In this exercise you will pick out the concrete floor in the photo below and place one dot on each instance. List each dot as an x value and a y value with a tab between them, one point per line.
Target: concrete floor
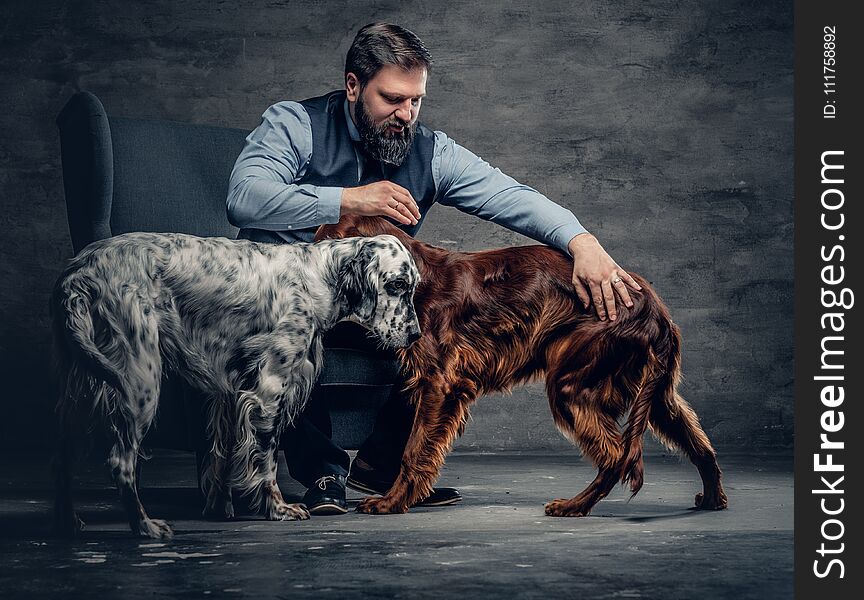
495	544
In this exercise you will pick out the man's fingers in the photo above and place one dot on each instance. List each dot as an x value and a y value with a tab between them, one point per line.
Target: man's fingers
404	197
597	297
403	210
625	276
623	293
619	286
396	215
582	292
609	299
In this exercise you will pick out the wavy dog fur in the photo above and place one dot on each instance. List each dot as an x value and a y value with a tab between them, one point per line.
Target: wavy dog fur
241	322
494	319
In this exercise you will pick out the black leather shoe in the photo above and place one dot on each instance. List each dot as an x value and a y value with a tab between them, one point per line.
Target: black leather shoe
364	479
327	496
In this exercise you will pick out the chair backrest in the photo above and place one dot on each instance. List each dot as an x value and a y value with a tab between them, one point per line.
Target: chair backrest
122	174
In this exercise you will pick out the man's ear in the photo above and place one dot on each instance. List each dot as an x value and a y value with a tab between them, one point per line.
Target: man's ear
352	87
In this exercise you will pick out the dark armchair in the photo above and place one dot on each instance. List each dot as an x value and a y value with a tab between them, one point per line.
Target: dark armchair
125	174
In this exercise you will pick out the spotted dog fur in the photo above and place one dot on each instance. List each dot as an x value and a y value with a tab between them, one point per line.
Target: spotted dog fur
239	321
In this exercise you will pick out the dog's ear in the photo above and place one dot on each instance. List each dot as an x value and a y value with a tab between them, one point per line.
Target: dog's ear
330	231
348	226
359	226
356	283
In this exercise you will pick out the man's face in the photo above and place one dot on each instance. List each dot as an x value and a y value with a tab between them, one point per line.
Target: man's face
385	111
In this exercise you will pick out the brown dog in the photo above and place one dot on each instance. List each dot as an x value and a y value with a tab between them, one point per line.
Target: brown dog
494	319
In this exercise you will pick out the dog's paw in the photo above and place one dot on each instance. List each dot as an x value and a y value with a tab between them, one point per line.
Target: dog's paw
380	506
564	507
288	512
714	501
155	528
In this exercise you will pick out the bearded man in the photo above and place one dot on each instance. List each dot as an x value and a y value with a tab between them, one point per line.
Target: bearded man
362	151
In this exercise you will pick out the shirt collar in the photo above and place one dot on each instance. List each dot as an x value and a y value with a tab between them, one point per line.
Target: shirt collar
352	129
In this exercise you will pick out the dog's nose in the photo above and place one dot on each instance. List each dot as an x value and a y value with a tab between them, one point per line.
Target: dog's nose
413	336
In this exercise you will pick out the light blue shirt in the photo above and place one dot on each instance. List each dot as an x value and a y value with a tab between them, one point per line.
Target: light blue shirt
262	193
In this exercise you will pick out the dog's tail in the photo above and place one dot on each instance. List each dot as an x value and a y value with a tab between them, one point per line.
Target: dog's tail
79	338
651	327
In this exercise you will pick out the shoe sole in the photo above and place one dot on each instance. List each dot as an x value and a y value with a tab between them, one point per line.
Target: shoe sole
359	487
447	502
328	509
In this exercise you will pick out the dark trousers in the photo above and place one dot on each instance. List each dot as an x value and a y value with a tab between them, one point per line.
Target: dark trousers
309	450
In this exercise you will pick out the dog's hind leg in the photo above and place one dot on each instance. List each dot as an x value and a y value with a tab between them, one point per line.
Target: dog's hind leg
585	407
134	412
677	426
581	505
597	434
123	461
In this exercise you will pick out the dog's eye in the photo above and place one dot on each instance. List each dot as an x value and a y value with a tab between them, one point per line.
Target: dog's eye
398	285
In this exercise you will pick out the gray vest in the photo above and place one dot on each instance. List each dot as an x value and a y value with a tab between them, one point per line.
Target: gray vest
334	164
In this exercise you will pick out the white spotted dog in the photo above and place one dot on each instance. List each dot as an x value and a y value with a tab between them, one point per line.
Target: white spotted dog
238	320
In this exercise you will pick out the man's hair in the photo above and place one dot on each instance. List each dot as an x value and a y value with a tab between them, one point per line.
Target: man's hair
379	44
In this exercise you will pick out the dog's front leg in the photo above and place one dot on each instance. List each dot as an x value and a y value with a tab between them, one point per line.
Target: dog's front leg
274	507
283	383
439	420
254	459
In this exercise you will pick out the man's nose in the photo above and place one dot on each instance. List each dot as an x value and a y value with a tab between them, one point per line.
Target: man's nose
403	112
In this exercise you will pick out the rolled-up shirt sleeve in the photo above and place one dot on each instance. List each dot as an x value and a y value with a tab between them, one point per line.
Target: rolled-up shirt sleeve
262	192
467	182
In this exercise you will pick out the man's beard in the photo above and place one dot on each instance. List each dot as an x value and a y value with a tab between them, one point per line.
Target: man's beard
378	142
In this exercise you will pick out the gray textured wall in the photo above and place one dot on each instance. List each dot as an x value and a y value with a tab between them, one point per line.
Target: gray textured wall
665	126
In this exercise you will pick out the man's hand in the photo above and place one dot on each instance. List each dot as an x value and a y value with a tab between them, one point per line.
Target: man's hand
596	275
383	198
